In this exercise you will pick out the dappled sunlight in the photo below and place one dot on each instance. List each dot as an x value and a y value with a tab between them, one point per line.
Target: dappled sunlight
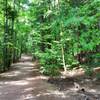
73	73
93	90
73	89
26	83
28	89
27	97
25	57
21	82
25	64
49	49
26	68
34	78
10	74
20	70
54	93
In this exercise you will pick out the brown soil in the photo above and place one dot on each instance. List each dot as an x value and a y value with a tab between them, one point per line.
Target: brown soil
24	82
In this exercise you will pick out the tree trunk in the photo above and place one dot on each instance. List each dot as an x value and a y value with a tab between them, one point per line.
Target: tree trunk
5	51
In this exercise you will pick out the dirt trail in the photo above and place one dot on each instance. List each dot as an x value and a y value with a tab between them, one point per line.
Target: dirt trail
24	82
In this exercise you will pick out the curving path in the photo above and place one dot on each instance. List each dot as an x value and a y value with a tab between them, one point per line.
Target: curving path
24	82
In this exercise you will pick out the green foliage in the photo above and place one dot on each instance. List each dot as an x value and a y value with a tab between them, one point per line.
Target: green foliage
49	63
11	37
59	33
68	26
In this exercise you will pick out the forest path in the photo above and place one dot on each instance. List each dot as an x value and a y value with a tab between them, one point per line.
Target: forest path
24	82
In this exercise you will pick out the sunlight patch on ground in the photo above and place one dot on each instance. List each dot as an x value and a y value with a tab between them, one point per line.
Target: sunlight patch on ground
44	77
25	63
36	78
73	89
33	78
54	93
73	73
92	90
22	83
28	89
26	68
26	57
27	97
10	74
28	64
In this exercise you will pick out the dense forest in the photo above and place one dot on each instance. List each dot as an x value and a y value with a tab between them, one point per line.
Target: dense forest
60	34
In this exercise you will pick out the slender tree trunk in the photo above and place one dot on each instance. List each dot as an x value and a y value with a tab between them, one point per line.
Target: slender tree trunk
13	33
61	34
5	51
63	58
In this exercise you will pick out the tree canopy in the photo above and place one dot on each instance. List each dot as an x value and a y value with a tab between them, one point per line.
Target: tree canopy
61	34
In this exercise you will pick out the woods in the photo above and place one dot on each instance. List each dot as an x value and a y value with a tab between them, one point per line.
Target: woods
60	34
49	49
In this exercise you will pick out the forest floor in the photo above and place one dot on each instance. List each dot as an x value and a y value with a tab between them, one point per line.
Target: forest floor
24	82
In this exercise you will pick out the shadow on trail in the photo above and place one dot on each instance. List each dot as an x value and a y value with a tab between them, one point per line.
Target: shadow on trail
24	82
20	71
